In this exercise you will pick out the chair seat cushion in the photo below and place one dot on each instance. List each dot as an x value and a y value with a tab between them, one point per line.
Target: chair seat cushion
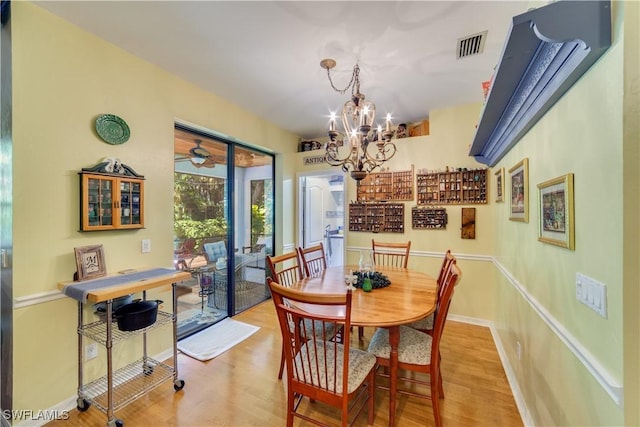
360	364
414	346
425	324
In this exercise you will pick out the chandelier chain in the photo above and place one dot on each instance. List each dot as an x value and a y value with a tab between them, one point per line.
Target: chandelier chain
354	83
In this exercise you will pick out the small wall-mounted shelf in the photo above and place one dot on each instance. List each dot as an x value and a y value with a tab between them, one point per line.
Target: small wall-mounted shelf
428	218
454	187
386	186
547	50
376	217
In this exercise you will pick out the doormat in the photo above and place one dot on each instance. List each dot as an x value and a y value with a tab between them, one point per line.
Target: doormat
216	339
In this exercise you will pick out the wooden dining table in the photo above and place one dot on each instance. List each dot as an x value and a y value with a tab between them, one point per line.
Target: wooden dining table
411	296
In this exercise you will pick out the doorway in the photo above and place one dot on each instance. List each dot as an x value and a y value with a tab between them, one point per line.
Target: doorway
321	213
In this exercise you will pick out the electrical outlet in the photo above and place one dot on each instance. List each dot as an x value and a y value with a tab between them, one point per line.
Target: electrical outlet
91	351
146	246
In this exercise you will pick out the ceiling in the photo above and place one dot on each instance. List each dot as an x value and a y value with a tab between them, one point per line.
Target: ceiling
265	56
244	157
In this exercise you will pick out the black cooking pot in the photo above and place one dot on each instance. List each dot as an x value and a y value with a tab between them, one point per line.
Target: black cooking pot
101	307
137	315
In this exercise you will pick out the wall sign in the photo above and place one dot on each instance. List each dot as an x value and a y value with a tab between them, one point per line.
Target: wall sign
313	160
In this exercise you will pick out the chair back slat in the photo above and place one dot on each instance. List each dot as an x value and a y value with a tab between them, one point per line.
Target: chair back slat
285	269
313	259
391	254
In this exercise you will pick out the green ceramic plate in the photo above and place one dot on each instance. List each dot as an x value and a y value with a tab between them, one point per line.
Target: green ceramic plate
112	129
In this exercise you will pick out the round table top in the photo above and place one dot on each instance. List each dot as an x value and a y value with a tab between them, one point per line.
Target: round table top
411	295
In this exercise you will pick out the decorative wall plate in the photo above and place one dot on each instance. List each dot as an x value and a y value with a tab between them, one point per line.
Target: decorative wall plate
112	129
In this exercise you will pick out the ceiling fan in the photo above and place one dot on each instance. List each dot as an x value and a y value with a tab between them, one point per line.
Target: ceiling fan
198	156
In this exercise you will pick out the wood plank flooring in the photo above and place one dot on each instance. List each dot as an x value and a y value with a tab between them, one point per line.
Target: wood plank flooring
240	388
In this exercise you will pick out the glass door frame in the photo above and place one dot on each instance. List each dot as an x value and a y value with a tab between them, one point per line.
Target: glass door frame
231	208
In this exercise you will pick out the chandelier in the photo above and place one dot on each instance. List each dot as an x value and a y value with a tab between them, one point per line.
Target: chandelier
358	117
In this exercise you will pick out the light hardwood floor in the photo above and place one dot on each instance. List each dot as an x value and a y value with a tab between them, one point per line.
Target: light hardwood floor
240	387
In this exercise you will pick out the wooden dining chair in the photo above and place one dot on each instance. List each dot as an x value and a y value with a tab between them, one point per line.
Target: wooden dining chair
391	254
426	324
319	367
285	269
420	352
313	259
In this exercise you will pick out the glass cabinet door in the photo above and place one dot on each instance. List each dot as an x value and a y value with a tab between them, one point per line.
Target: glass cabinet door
100	202
130	202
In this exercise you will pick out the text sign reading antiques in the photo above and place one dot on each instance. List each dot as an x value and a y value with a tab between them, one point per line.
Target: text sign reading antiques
313	160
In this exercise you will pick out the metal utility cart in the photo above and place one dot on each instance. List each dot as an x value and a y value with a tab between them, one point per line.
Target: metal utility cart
119	388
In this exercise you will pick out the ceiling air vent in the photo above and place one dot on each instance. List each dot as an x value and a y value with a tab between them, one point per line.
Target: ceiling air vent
471	45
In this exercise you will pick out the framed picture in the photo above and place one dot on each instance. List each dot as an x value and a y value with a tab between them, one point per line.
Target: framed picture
556	211
519	197
90	262
499	184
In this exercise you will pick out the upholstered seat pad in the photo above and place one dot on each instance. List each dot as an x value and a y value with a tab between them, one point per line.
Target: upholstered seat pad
360	364
414	346
425	324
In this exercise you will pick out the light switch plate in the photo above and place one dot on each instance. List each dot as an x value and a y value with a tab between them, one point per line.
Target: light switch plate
592	293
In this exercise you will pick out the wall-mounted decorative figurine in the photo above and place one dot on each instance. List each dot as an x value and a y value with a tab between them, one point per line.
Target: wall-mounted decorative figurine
112	129
402	132
519	206
556	212
89	262
468	229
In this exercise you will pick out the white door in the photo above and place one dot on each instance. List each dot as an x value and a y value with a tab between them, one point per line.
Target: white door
322	213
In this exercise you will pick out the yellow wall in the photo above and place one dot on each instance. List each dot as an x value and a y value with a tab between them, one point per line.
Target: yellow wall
581	134
631	177
63	78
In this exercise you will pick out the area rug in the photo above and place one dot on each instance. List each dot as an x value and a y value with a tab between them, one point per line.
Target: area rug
216	339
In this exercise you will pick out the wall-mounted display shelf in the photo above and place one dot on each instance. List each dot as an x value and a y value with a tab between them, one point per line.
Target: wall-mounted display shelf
111	198
453	187
428	218
547	50
376	217
386	186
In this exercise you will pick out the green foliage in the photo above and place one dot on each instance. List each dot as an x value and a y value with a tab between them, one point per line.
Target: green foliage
198	207
200	230
257	222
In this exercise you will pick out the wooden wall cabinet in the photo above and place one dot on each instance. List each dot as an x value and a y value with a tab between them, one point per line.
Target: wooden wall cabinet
454	187
111	201
386	186
376	217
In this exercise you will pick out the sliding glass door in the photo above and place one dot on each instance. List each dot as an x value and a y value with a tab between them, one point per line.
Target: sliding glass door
223	226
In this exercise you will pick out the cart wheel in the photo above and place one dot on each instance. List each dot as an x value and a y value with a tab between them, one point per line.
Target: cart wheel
119	423
83	404
115	423
178	385
147	369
